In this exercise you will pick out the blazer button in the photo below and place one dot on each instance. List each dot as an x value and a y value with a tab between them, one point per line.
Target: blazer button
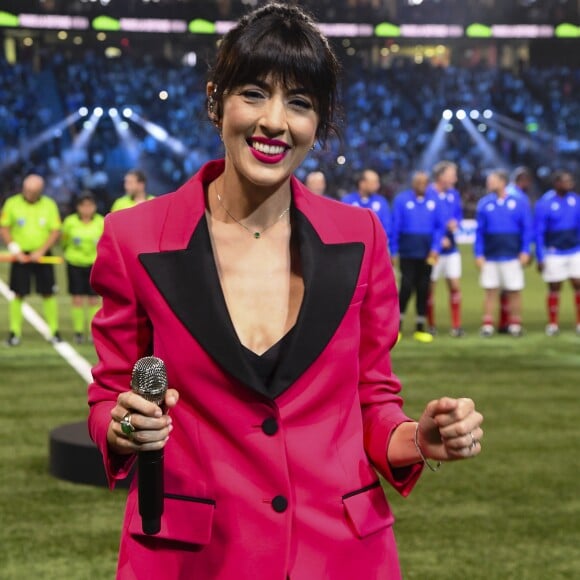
279	504
270	426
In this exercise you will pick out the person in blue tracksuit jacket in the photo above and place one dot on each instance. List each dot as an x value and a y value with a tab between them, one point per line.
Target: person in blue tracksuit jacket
418	228
557	232
368	185
502	248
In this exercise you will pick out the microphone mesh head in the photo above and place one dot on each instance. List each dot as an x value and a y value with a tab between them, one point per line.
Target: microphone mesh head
149	379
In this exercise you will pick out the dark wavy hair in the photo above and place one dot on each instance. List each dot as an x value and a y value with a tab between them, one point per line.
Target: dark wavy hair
284	42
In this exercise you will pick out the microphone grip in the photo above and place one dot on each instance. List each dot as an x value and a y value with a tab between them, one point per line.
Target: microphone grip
151	490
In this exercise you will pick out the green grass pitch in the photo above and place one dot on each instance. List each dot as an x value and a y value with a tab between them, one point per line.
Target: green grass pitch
513	513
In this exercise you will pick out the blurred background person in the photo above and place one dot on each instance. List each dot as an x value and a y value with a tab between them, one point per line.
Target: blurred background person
135	184
449	264
81	232
502	249
416	239
557	229
30	226
520	185
368	185
316	182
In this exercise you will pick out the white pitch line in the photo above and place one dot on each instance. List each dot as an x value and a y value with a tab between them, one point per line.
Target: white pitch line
68	353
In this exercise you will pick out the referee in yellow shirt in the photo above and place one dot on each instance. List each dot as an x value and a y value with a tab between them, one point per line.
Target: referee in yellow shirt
30	226
81	232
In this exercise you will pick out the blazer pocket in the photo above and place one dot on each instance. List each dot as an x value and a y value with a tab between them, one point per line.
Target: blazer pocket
185	519
359	294
367	510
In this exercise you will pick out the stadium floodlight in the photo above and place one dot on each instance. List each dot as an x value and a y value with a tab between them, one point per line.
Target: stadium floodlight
461	114
448	128
161	135
12	156
98	112
341	160
83	111
433	149
487	114
127	139
474	114
489	153
447	114
482	127
113	112
127	112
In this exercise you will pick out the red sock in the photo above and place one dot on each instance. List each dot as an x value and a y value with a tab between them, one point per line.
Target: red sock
554	306
455	307
577	299
515	320
487	320
430	309
504	310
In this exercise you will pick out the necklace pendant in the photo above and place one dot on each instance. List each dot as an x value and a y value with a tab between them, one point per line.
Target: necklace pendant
257	235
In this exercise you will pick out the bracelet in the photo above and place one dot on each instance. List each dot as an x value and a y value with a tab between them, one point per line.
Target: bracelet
423	458
14	248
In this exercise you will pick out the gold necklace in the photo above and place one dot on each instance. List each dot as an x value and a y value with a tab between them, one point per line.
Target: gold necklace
255	233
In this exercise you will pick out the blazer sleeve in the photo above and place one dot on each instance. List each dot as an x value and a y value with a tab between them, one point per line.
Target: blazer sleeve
121	334
378	387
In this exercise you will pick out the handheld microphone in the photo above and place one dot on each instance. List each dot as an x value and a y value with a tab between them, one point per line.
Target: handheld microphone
149	379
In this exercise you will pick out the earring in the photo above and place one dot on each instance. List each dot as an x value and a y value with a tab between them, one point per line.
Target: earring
211	106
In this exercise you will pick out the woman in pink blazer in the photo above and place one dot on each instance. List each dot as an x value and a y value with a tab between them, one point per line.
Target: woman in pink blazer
274	310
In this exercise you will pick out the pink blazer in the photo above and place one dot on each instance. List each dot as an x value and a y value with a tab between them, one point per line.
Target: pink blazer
261	483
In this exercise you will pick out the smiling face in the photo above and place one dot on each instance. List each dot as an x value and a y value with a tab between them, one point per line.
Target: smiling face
267	129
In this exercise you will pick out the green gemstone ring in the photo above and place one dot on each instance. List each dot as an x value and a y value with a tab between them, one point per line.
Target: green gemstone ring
126	425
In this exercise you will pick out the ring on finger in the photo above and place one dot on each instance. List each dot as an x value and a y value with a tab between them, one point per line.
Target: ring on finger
126	425
474	441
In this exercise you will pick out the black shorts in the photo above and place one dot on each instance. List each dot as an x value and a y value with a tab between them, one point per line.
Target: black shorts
21	276
79	280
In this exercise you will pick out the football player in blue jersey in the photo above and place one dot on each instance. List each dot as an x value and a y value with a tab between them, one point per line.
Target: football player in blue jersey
502	249
368	185
557	230
520	185
449	264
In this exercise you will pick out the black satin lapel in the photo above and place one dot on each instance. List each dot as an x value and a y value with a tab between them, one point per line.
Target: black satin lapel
188	281
330	273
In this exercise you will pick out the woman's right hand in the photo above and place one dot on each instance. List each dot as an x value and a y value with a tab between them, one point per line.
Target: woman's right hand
152	426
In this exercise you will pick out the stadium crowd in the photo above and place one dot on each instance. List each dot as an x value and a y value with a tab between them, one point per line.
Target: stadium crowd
390	116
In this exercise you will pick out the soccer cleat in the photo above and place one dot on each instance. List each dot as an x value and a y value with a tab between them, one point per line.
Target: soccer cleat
56	338
515	330
552	330
503	330
12	340
432	330
457	332
486	330
421	336
399	337
79	338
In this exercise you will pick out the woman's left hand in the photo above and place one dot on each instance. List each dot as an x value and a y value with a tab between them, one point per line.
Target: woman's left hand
450	429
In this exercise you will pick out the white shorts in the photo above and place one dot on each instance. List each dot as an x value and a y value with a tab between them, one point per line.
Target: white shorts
507	275
560	268
448	266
